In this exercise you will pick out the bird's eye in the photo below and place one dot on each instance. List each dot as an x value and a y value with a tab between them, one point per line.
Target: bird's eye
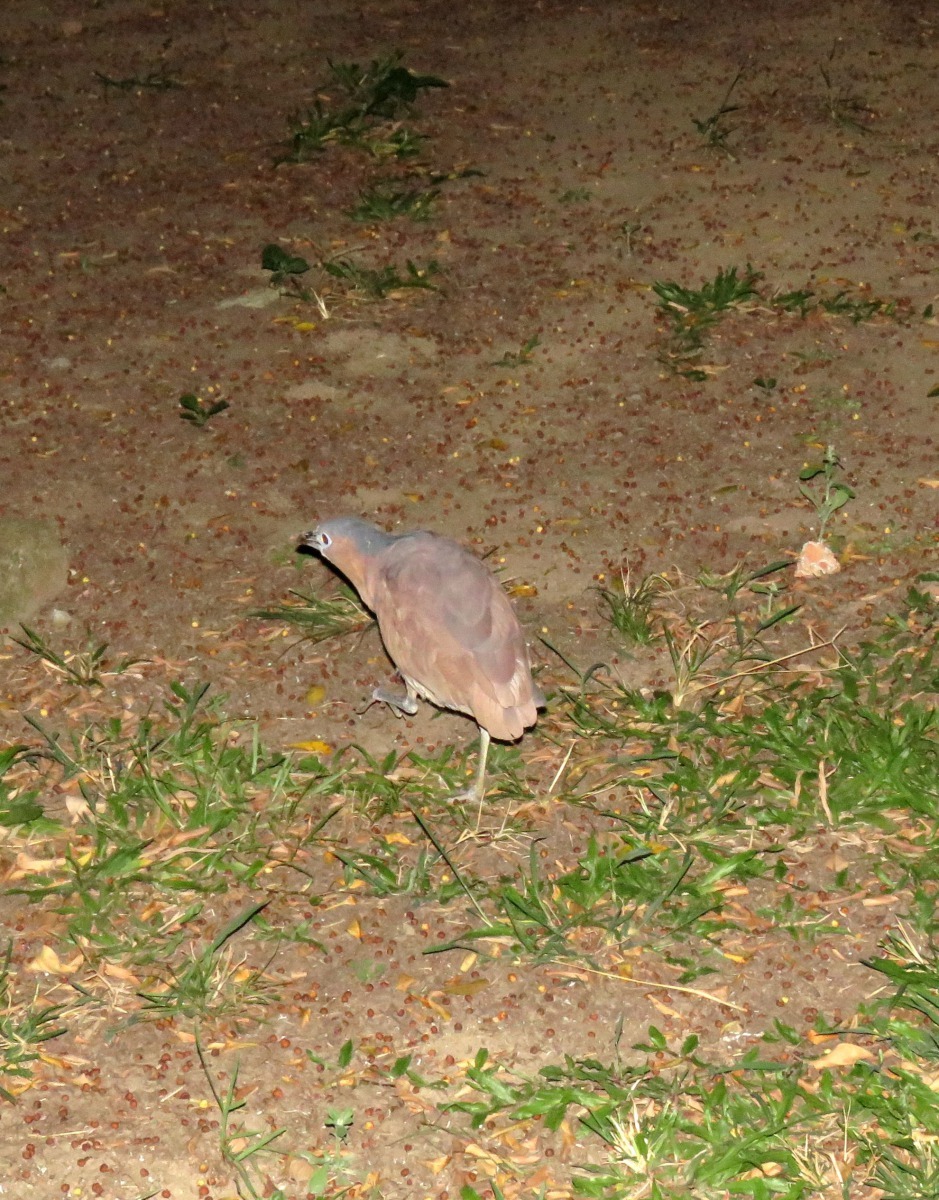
325	541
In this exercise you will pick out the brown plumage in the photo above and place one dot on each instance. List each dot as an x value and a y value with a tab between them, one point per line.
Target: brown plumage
446	623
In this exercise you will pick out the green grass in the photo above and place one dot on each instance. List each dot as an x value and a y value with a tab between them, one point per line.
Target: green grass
369	283
522	356
716	129
841	304
86	668
668	1121
185	836
843	106
693	314
167	813
199	412
378	283
366	116
387	201
319	618
25	1026
630	608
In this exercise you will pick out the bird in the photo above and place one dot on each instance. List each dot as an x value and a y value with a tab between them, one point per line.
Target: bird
446	624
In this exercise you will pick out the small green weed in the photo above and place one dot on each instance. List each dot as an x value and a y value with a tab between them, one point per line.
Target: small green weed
842	304
575	196
85	669
520	357
24	1027
240	1146
312	131
367	117
831	495
286	271
382	88
800	301
715	129
378	283
395	143
210	983
285	268
694	312
387	201
843	107
18	804
630	608
804	301
198	411
625	233
371	283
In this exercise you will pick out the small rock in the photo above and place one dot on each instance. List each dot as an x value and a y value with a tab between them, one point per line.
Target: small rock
33	568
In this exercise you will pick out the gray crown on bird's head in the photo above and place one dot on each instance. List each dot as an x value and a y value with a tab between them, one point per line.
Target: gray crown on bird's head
366	538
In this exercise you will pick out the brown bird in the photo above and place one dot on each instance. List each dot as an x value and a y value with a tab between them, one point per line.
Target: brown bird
446	623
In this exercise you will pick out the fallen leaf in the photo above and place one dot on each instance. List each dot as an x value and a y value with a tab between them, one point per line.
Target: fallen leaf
48	960
397	839
465	987
665	1009
443	1013
845	1054
817	1038
76	806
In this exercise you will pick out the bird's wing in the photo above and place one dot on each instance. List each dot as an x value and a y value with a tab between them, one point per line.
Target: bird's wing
448	625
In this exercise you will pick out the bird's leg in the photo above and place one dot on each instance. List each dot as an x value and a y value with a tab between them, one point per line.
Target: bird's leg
400	705
479	787
478	790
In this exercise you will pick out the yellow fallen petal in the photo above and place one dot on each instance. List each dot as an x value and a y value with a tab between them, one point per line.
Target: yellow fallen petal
312	747
315	695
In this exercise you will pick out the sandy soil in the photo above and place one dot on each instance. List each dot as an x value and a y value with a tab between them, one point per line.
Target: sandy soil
133	223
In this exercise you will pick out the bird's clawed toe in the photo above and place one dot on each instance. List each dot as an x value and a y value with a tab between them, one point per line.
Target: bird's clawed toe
400	703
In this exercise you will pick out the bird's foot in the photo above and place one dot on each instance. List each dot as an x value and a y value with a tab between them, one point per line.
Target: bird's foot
401	704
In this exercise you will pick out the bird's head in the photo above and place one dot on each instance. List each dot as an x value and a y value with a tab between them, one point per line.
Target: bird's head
352	546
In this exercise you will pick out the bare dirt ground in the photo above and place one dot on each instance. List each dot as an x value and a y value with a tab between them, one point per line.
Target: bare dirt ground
133	223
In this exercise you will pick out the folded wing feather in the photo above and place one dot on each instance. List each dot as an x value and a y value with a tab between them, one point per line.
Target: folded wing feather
451	632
